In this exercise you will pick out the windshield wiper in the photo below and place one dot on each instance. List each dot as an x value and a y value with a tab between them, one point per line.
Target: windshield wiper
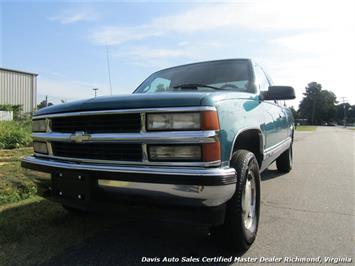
195	85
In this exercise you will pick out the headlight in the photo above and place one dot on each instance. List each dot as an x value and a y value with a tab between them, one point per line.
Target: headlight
39	125
40	147
175	153
205	120
173	121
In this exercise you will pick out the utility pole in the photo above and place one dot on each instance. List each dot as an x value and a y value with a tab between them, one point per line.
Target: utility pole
95	91
344	107
46	100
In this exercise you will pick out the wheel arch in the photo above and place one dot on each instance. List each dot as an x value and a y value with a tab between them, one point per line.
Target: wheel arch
250	139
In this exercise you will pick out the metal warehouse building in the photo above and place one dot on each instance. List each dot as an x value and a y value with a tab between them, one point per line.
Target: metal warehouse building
18	88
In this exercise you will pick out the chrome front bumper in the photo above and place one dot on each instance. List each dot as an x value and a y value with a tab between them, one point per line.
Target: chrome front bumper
189	186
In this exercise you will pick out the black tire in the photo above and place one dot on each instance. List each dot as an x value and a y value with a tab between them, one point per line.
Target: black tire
234	231
285	161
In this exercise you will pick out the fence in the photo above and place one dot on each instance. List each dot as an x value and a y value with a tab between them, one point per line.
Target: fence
6	115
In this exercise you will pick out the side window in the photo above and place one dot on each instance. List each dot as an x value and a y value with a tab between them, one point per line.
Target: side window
158	85
261	79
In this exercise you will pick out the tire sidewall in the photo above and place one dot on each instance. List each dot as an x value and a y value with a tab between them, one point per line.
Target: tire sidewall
242	161
285	161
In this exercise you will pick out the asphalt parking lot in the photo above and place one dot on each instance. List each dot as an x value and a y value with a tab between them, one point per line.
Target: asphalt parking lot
308	212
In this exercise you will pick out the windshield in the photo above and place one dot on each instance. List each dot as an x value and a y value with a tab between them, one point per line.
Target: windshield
231	75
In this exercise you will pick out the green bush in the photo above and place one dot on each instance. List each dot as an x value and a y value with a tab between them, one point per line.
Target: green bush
16	109
15	134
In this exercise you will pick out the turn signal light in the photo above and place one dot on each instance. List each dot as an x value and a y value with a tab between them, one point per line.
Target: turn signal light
209	120
211	151
40	147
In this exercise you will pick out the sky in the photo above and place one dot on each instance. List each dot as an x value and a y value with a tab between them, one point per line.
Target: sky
65	42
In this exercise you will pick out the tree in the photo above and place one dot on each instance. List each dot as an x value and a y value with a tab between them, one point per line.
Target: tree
351	114
317	105
16	109
345	112
327	108
6	107
294	112
43	104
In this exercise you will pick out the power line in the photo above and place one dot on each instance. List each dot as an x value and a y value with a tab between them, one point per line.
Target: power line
343	99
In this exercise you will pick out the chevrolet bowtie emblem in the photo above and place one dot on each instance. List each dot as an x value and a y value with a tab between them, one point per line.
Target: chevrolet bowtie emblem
79	137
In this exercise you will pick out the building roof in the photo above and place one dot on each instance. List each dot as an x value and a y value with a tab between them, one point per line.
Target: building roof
18	71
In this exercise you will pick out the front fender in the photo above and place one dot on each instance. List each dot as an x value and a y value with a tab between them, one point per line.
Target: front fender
236	116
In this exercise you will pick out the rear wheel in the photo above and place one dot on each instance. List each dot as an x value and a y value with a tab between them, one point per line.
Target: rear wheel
242	215
285	161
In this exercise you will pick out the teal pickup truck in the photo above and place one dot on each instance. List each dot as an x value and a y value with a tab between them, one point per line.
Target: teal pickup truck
190	139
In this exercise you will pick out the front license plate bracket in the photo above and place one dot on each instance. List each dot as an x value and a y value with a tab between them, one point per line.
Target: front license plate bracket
72	186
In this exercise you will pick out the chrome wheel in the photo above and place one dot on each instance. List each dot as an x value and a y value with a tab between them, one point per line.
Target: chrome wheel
290	154
249	202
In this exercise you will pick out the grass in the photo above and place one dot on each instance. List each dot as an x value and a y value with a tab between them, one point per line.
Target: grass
33	229
306	128
15	182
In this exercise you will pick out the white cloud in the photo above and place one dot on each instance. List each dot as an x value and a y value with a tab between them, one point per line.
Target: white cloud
73	16
201	18
326	56
139	52
117	35
258	15
183	43
59	89
156	58
305	40
334	73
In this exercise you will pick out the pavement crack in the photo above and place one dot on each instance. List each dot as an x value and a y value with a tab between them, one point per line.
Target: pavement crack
277	206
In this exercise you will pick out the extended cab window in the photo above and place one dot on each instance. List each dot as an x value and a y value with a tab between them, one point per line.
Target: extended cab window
261	79
223	75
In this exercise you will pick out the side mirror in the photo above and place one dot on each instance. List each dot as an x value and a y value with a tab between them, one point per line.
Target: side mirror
279	93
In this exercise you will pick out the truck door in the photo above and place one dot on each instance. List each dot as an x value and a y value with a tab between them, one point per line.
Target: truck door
274	126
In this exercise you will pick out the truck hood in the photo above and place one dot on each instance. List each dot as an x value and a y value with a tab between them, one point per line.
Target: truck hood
134	101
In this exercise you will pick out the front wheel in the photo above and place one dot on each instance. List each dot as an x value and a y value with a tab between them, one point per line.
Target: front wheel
242	215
